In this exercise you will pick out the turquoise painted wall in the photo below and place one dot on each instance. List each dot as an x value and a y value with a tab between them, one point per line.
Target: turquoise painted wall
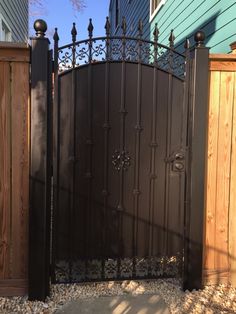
133	10
217	18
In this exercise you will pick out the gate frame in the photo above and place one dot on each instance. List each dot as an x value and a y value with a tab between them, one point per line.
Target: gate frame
41	133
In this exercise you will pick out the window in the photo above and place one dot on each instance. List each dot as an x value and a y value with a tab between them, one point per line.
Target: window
5	33
155	6
117	13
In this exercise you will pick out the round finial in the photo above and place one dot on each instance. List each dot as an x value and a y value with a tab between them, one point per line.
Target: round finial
40	27
199	38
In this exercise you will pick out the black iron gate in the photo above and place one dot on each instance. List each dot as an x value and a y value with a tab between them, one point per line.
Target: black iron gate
129	123
119	168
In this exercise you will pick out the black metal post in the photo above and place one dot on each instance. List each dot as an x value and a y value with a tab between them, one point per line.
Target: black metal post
40	166
197	144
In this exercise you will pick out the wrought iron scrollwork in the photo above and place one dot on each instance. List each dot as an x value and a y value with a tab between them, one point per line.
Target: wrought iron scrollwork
121	48
122	268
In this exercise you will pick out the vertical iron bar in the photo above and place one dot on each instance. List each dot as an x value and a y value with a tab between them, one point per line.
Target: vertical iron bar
73	177
72	153
167	165
90	33
155	37
56	154
138	129
50	147
105	192
184	139
171	54
140	34
123	112
89	144
107	28
74	34
106	128
124	28
153	174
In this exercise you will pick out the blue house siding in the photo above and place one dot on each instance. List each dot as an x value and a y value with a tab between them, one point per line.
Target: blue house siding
15	15
133	10
217	18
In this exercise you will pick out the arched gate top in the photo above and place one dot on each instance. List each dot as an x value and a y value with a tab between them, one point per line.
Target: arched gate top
119	48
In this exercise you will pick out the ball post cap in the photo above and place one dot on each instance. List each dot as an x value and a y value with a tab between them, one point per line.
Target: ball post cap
199	37
40	27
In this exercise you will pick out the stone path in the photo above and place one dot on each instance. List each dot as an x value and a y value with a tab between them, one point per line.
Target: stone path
141	304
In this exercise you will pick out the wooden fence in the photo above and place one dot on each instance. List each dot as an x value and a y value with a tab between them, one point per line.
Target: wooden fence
14	168
220	224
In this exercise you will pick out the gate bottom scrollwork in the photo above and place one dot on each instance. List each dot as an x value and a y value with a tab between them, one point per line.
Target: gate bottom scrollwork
118	269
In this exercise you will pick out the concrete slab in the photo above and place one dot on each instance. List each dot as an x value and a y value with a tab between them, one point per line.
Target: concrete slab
141	304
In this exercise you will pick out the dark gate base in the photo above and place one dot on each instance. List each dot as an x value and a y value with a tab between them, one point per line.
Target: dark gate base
118	269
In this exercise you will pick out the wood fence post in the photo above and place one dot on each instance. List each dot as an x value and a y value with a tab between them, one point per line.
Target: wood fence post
39	228
197	142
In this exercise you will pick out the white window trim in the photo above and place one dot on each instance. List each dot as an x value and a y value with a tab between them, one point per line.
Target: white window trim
10	32
152	15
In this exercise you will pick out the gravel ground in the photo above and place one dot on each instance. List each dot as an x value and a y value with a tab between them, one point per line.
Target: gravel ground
211	300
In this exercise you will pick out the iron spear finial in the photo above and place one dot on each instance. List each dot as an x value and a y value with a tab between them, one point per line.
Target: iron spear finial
172	38
124	25
107	26
55	36
156	33
74	33
90	28
187	43
140	28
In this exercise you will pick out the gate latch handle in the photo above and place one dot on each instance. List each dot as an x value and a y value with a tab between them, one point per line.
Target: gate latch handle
177	160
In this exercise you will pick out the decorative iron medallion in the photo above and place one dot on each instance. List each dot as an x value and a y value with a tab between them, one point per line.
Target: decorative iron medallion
121	160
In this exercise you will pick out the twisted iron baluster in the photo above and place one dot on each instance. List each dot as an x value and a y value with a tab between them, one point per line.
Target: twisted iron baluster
155	37
108	30
90	34
171	45
74	34
124	28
